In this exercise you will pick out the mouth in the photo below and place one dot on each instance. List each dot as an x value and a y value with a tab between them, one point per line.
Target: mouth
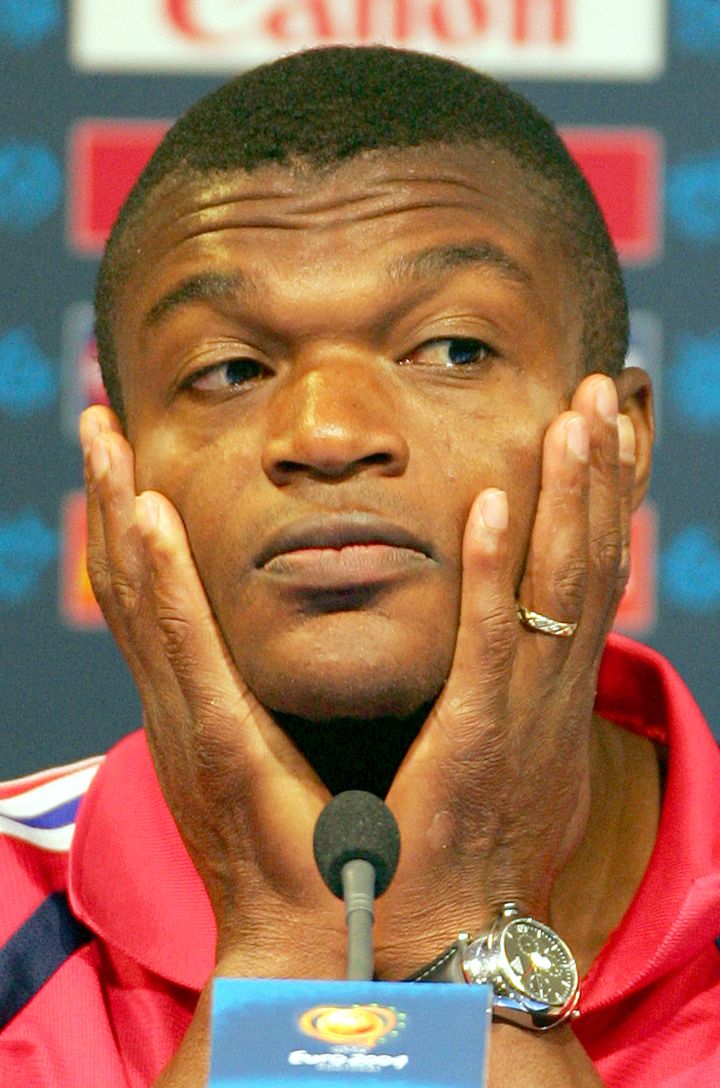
335	552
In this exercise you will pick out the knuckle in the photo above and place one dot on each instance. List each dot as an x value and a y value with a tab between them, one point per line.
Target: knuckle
569	585
499	627
606	551
125	593
98	574
623	571
175	632
498	635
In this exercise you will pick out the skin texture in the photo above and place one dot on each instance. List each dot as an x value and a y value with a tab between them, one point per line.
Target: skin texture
515	476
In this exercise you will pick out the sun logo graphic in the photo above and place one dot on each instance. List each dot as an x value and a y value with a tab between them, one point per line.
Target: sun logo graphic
351	1025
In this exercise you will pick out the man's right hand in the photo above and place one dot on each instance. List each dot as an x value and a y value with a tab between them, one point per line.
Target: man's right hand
243	797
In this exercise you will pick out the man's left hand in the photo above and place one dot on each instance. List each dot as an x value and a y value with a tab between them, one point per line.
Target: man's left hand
493	796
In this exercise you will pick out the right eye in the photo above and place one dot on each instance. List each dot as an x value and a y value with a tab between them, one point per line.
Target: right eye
233	374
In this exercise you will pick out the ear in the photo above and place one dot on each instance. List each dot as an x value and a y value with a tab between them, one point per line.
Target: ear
635	397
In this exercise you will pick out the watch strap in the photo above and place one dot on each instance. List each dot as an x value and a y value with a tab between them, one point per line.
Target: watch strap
447	967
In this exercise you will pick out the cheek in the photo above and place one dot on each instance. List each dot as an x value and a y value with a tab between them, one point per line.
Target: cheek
207	483
190	468
161	461
500	457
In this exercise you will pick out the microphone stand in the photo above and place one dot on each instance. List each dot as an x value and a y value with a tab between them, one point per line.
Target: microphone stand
358	884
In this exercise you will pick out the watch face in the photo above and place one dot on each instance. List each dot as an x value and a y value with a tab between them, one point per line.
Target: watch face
539	964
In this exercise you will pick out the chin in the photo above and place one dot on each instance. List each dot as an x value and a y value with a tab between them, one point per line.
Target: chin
362	664
343	690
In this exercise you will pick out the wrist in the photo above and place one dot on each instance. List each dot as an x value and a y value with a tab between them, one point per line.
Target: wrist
285	947
406	939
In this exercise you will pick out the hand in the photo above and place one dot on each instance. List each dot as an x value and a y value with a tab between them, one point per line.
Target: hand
244	799
493	796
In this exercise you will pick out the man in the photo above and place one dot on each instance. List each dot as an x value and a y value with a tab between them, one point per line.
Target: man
360	518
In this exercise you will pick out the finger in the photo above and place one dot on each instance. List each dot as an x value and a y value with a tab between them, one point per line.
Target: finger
96	421
596	399
555	577
120	568
233	730
93	422
626	456
90	426
478	684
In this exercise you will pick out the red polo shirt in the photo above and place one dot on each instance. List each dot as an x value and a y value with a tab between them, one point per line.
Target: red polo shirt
108	935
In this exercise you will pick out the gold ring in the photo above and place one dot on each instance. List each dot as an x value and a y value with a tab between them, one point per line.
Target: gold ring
535	621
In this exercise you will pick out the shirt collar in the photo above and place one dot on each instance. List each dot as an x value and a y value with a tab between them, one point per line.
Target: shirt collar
130	878
132	882
676	909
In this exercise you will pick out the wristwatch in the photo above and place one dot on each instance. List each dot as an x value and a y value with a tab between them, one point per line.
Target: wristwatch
531	970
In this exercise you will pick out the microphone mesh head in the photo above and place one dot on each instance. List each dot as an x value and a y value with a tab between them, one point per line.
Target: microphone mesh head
356	824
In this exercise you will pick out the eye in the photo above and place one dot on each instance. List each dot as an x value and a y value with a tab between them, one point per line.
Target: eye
450	351
231	374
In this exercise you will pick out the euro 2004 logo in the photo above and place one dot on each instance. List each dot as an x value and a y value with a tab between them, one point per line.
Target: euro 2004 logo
351	1025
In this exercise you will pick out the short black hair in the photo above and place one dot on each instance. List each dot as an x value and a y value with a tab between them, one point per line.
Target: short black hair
324	106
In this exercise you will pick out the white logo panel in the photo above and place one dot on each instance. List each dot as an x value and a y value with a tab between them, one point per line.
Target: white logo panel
578	39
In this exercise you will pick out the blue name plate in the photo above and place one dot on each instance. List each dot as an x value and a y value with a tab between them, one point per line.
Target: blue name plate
277	1032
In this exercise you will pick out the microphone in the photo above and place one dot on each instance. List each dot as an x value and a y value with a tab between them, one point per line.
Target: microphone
359	1026
357	845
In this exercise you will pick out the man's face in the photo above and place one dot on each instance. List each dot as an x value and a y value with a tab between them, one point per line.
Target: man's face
321	373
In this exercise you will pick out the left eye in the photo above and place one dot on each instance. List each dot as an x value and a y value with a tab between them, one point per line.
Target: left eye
449	351
236	372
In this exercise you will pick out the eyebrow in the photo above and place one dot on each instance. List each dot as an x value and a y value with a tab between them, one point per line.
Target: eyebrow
205	287
432	261
447	258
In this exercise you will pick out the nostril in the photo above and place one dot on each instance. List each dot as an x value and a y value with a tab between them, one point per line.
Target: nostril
289	467
333	466
333	451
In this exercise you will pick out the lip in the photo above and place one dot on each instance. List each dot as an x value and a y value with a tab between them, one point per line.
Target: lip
337	551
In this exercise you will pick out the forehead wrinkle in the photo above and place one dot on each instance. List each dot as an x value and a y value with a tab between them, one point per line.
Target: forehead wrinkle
314	189
295	209
300	199
354	210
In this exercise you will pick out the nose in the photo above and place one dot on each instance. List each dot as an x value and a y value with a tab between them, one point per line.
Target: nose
333	420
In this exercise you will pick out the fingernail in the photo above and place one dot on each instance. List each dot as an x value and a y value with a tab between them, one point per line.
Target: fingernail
626	440
606	402
577	438
147	514
494	509
99	459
